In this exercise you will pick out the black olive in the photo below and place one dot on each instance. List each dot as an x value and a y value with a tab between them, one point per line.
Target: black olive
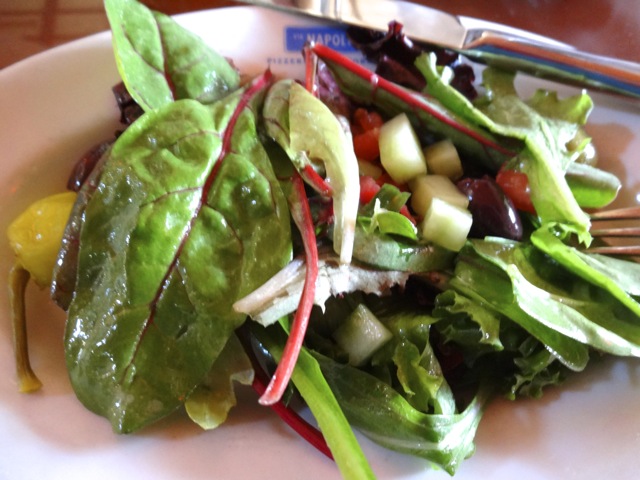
492	211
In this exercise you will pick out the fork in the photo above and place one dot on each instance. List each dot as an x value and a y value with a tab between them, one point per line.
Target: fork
616	232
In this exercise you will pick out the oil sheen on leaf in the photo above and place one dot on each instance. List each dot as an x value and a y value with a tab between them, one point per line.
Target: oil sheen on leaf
186	204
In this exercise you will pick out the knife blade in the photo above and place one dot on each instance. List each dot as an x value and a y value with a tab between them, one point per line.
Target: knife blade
478	40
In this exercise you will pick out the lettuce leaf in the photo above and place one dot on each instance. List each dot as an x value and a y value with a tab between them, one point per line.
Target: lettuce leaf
381	413
621	278
311	134
564	311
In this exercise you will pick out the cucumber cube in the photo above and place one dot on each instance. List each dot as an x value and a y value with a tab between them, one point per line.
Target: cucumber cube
442	159
425	188
446	225
361	334
400	150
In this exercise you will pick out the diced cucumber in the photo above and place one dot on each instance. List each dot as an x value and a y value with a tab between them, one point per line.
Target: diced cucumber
446	225
400	150
425	188
361	334
442	159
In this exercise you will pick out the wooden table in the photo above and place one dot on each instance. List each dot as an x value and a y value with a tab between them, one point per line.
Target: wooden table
600	26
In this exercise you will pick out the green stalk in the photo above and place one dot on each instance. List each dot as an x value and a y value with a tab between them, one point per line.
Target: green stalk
18	280
308	379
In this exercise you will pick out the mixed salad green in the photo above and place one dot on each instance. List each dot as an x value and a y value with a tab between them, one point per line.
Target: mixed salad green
256	230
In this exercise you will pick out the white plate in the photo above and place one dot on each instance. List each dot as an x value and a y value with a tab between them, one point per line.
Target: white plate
57	104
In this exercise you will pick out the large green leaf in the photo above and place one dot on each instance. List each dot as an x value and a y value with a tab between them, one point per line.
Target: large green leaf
620	278
187	218
160	61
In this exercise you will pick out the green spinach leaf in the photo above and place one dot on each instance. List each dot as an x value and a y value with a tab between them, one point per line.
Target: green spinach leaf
185	205
159	61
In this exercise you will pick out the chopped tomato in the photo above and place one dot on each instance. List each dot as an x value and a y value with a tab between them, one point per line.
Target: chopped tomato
366	146
365	127
368	189
367	119
515	185
386	178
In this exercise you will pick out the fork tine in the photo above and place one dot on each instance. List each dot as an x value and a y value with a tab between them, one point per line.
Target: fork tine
616	232
625	213
630	250
623	232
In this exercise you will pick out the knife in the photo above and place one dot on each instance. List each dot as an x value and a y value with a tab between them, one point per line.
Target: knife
478	40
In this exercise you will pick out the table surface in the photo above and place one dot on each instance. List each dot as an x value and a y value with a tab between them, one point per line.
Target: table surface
607	27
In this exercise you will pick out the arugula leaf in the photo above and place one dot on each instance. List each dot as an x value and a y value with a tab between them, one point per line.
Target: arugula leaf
186	203
160	61
621	278
488	272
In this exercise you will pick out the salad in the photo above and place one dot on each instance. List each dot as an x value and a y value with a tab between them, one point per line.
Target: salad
441	356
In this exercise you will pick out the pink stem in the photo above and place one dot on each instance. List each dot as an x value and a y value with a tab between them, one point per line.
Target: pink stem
294	420
311	64
301	214
316	181
407	96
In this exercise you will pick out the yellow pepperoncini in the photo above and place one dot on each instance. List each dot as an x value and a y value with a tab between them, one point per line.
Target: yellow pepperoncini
35	238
